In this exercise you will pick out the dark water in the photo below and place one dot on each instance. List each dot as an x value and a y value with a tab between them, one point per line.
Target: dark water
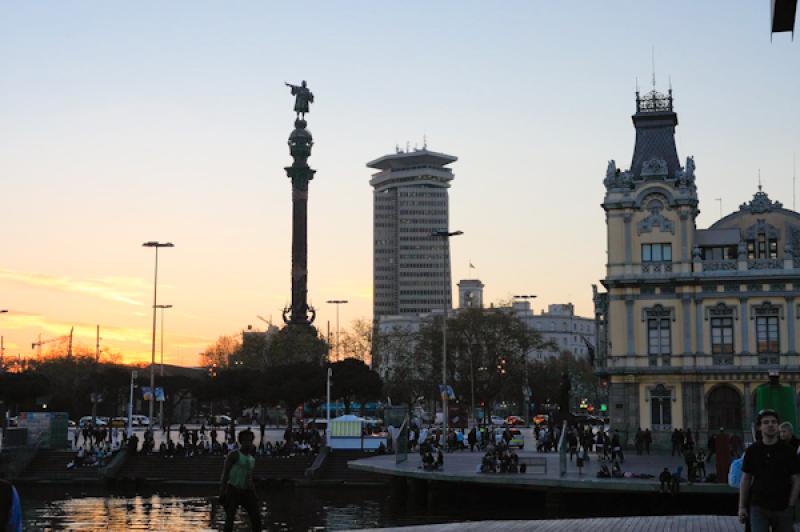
289	509
330	509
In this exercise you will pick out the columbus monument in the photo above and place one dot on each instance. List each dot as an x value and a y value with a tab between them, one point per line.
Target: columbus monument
300	143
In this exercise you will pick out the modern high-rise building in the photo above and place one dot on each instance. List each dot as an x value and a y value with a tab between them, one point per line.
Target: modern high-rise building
411	268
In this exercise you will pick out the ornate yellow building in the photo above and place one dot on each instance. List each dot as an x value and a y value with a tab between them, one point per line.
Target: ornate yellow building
692	319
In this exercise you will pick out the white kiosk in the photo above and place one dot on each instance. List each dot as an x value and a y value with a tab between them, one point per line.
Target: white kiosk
347	432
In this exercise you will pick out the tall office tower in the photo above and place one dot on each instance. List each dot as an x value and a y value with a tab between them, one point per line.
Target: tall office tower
411	268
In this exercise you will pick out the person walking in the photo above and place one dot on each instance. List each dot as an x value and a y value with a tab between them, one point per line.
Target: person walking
648	440
770	480
638	441
787	437
237	487
677	442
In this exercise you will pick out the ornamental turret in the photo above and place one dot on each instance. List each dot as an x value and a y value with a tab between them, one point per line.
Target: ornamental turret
652	205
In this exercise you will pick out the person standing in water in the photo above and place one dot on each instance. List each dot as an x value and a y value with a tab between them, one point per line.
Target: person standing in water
237	487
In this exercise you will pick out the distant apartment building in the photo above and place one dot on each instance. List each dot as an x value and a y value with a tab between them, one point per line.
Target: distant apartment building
560	326
411	268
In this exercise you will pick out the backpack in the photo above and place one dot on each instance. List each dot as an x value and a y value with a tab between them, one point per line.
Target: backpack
735	473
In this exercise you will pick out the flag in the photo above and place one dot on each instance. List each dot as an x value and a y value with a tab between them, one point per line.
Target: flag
471	266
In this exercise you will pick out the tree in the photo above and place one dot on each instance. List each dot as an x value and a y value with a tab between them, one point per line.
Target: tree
351	379
291	385
405	368
20	390
293	344
545	379
357	342
220	352
487	351
177	388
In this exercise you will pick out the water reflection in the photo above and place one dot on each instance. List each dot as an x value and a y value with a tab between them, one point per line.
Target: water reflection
334	508
286	510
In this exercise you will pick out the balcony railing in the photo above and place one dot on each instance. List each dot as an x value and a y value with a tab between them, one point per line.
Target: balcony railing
722	360
657	267
769	360
719	265
764	264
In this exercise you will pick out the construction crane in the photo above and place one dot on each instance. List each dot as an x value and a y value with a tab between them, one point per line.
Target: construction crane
265	320
38	345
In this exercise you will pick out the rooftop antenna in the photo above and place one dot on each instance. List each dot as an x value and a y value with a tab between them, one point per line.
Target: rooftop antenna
396	148
424	141
408	146
759	179
794	181
653	63
720	207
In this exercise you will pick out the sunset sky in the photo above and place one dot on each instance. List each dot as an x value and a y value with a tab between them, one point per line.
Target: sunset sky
123	122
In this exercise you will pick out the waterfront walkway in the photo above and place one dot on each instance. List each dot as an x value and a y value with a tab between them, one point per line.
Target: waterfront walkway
461	466
679	523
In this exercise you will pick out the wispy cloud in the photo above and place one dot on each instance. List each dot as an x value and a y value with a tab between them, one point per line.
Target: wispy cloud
125	290
132	343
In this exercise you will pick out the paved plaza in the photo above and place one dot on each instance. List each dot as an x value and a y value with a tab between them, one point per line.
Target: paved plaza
680	523
462	466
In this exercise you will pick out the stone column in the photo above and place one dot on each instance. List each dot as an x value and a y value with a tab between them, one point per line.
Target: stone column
747	422
686	309
791	345
698	309
745	321
630	324
626	218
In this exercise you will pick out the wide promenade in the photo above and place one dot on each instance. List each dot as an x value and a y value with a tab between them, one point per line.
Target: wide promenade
461	466
679	523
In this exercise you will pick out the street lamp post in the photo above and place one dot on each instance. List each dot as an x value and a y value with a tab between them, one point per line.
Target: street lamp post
2	347
526	390
338	303
445	236
156	245
134	374
161	403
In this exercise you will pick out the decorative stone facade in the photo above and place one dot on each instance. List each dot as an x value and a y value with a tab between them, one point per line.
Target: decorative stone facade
692	319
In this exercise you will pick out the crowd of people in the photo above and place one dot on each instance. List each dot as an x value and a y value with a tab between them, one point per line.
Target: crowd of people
94	446
500	458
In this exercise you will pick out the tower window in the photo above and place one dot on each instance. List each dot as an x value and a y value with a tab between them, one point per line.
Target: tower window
656	252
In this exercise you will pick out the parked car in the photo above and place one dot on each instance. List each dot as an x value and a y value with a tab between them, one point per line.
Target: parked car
140	420
540	418
219	420
87	420
517	439
119	422
497	421
514	420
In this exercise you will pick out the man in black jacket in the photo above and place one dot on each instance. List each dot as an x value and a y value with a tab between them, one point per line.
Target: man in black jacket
770	480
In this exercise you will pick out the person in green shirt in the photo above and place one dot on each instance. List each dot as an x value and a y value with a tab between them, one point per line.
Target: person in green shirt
237	487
